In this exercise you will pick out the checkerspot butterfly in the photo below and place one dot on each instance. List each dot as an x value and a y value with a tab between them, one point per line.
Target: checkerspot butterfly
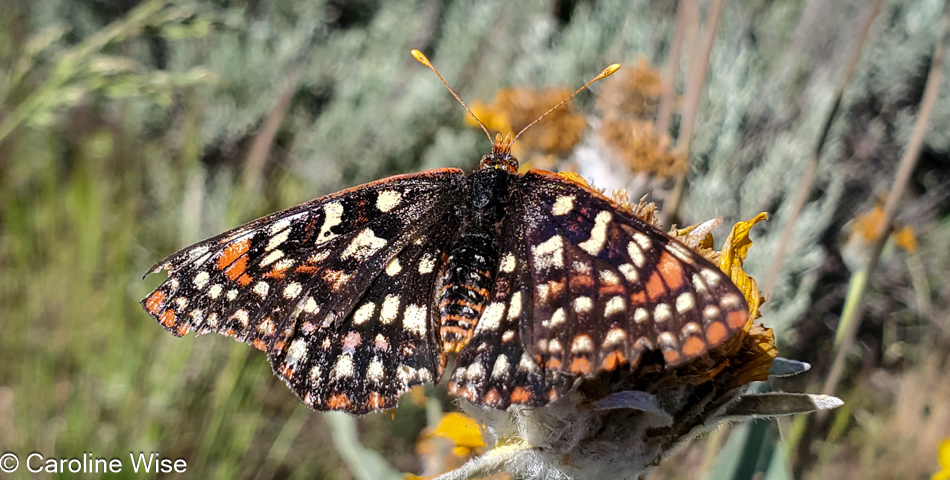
533	280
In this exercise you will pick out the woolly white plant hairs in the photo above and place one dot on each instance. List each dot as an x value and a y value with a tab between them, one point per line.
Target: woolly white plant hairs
622	435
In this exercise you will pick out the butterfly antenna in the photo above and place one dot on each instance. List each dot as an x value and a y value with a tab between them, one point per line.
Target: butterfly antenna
604	74
425	61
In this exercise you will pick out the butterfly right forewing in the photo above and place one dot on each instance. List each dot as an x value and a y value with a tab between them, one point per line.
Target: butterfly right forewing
611	288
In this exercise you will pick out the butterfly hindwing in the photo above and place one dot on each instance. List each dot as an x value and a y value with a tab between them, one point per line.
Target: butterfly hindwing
365	360
320	257
495	369
609	287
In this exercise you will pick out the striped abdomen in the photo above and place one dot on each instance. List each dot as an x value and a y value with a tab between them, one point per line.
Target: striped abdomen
466	283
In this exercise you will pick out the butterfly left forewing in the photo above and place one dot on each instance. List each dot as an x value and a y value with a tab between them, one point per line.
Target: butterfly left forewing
248	282
618	288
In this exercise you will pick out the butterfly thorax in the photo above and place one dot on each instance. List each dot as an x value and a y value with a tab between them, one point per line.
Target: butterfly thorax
466	278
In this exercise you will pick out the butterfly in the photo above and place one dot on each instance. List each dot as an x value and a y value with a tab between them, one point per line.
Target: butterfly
533	280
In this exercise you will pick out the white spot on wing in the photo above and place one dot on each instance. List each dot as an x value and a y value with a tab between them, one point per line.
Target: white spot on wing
582	344
643	241
710	276
277	239
730	301
549	253
426	264
261	288
667	340
311	306
271	257
388	200
344	367
598	235
641	315
201	280
393	268
514	310
364	245
334	217
636	255
614	305
527	364
500	369
475	371
292	290
375	372
563	205
615	336
691	328
508	263
608	277
583	304
215	291
296	351
281	224
491	317
662	313
629	272
241	317
685	302
364	313
390	309
414	320
558	317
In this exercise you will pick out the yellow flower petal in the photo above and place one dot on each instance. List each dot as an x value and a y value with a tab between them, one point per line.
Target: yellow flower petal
734	252
943	453
905	239
462	430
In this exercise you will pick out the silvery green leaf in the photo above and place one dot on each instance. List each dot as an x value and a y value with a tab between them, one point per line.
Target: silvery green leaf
779	404
784	367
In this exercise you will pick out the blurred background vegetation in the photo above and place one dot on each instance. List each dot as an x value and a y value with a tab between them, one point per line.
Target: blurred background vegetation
131	129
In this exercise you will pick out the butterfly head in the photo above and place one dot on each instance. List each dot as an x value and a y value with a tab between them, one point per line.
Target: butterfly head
500	156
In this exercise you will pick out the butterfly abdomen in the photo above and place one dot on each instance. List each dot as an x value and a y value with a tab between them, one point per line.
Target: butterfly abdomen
466	285
469	273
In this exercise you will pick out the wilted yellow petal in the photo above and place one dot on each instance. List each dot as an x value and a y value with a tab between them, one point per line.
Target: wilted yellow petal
734	252
460	429
574	178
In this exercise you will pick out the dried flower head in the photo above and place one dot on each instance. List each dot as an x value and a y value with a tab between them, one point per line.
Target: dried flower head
642	148
514	108
635	94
